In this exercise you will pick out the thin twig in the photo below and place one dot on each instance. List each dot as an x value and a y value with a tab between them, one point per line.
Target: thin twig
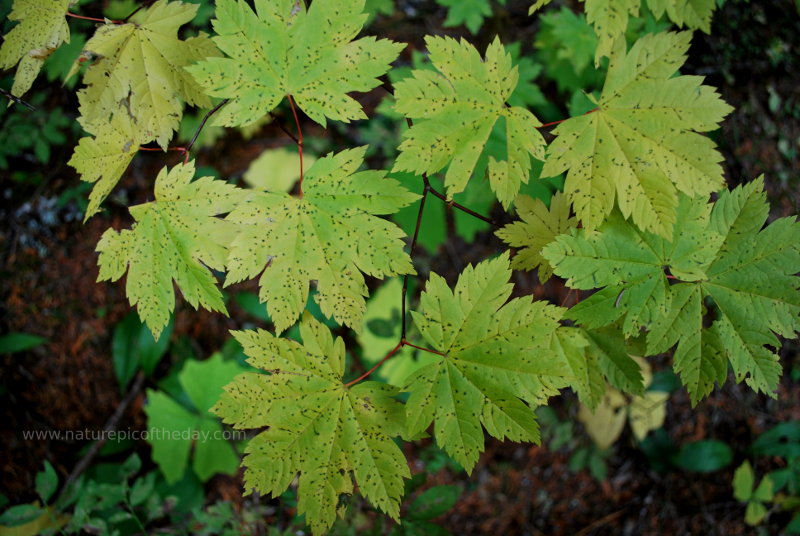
185	150
299	144
16	99
600	522
211	112
283	128
464	209
425	192
110	426
146	3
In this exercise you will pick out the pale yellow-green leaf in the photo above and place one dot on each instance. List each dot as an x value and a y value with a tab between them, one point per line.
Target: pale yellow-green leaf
42	28
103	159
690	13
179	237
609	19
537	5
538	227
331	235
647	413
605	424
276	170
495	361
454	110
316	426
743	482
643	144
139	68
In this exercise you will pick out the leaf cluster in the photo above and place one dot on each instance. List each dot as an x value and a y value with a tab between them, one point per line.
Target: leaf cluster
667	269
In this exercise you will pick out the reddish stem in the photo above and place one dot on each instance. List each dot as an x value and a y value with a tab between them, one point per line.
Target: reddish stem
567	119
392	352
378	364
75	16
406	343
299	142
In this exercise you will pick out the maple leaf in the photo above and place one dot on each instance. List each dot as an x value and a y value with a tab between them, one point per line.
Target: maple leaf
642	145
537	5
539	227
104	158
202	383
579	351
470	13
494	365
42	28
175	237
630	263
610	20
454	111
318	427
690	13
717	252
285	50
331	234
139	67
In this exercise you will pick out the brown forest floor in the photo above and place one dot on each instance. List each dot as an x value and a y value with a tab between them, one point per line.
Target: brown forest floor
48	288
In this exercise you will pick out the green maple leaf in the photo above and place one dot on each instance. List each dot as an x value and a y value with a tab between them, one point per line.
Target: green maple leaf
628	264
285	50
176	428
454	111
717	252
495	361
103	159
539	226
642	146
329	433
470	13
690	13
41	30
139	68
177	236
331	234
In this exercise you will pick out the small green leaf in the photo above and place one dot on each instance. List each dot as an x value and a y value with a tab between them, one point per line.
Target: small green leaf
755	513
142	489
704	456
19	342
434	502
133	347
782	440
743	480
765	490
46	482
171	427
203	380
130	467
20	514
